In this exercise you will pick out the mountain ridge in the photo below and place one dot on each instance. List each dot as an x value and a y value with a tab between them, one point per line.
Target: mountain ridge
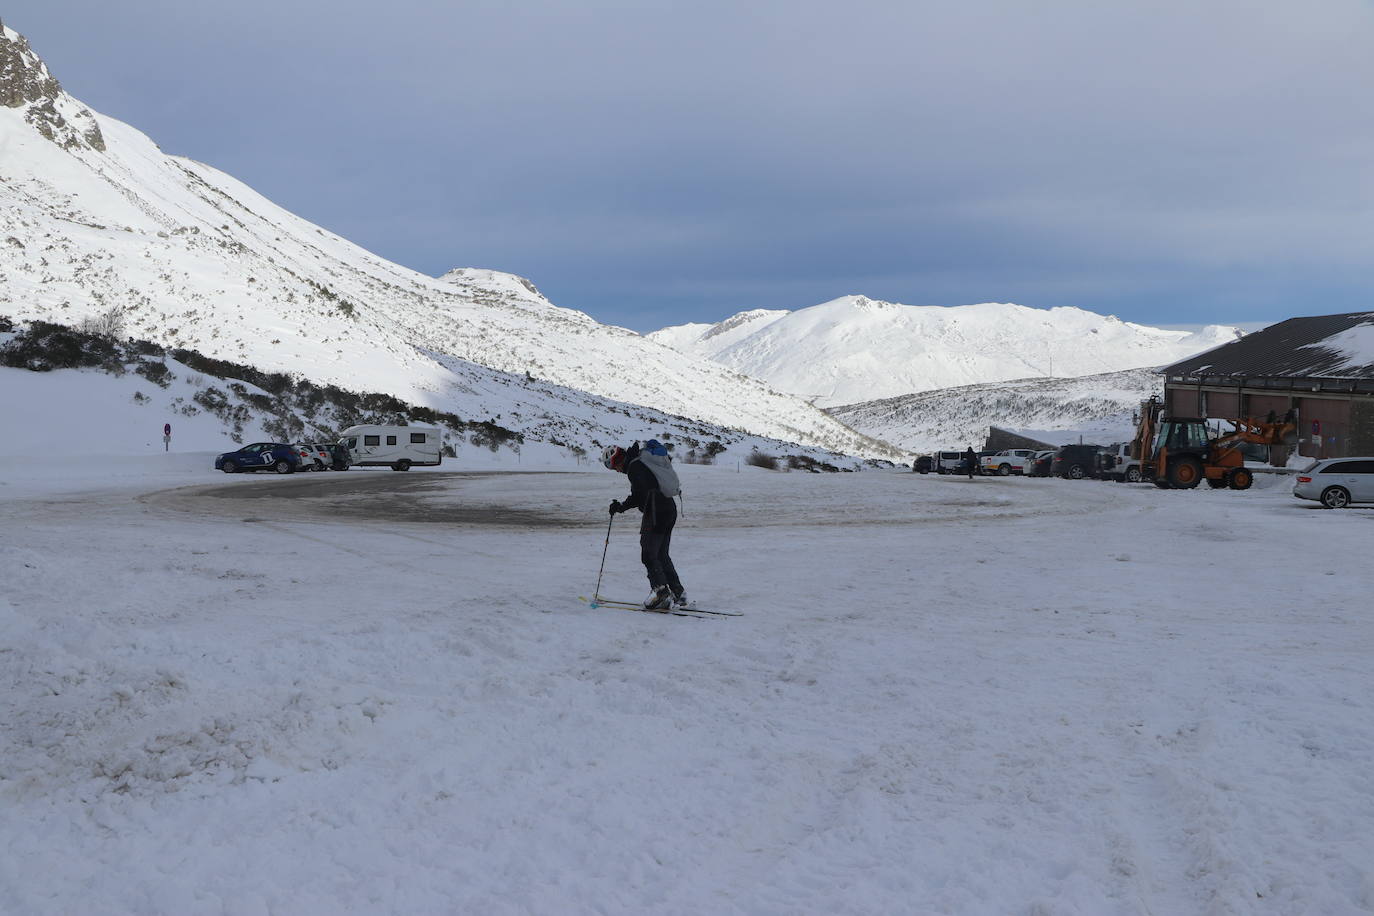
188	256
1056	410
855	349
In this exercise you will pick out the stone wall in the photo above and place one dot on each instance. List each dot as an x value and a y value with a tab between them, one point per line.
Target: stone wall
999	439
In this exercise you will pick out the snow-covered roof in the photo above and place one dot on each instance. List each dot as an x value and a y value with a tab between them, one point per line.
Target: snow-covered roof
1317	346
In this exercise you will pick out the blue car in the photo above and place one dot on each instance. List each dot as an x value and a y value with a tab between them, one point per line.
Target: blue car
260	456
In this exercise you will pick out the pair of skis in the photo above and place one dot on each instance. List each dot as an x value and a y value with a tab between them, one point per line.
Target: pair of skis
699	613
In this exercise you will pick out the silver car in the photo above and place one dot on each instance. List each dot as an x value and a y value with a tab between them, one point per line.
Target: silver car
1337	482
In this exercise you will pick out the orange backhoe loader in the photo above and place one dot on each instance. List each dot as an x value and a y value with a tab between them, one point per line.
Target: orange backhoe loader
1180	453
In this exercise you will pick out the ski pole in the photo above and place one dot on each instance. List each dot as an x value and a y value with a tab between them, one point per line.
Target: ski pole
596	594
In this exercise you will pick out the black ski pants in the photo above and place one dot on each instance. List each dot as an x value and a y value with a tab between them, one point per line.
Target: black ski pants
653	552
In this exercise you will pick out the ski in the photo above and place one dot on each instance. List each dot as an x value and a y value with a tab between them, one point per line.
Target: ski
636	605
626	606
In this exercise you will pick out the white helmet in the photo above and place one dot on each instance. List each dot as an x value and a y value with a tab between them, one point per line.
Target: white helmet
613	457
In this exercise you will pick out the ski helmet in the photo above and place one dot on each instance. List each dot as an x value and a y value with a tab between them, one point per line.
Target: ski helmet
613	457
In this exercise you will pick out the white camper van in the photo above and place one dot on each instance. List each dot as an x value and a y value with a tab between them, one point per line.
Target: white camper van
397	447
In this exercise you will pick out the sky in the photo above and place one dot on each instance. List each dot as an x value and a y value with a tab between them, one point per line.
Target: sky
655	162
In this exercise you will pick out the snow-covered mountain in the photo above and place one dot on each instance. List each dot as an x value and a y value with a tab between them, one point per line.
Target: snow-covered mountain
96	220
709	340
120	393
1054	410
856	349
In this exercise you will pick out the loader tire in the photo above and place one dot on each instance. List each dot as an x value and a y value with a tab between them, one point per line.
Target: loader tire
1185	474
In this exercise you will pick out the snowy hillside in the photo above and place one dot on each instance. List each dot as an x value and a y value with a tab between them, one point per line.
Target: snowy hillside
709	340
95	220
856	349
119	395
1053	410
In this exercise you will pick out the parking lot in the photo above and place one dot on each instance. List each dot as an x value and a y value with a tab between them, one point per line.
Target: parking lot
305	688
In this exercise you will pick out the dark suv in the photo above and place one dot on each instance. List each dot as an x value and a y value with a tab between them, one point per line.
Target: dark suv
342	458
1076	461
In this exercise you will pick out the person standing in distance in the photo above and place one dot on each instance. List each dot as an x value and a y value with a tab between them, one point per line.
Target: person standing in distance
971	459
653	484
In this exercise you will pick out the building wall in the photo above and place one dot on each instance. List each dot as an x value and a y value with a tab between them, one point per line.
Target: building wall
1181	401
1221	404
1361	440
1258	405
1330	426
1324	427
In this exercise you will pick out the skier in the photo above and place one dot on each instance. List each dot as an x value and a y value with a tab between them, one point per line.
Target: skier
653	484
971	460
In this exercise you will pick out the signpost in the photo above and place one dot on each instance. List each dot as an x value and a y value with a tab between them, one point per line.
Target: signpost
166	437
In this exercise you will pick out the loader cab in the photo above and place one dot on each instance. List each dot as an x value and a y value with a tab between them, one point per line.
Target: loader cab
1182	435
1180	452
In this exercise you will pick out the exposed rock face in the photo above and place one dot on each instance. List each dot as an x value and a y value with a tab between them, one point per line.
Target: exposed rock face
26	83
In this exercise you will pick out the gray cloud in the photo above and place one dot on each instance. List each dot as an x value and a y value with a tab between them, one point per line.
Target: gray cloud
656	162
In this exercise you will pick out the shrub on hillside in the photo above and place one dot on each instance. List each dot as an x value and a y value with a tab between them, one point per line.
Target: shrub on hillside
44	346
491	435
807	463
155	372
109	323
761	460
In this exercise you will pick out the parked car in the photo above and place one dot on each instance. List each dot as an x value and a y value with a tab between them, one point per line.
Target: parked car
325	452
1040	466
922	464
1075	462
310	456
1008	461
260	456
1117	464
1337	482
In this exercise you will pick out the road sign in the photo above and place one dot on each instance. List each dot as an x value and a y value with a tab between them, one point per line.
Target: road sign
166	429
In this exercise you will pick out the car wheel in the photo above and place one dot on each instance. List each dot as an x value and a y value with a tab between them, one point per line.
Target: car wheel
1076	472
1335	497
402	465
282	466
1241	478
1003	470
229	467
1133	475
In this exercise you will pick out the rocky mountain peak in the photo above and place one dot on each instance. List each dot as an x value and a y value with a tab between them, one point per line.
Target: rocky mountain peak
25	83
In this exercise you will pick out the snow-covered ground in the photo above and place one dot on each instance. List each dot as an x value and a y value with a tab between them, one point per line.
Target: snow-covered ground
997	696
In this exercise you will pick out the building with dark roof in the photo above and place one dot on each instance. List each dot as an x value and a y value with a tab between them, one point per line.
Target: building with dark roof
1321	367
